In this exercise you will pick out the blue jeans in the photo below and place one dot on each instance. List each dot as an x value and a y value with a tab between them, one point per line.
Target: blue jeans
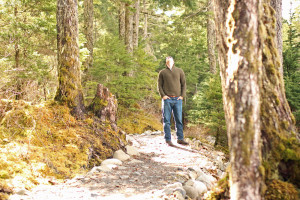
168	106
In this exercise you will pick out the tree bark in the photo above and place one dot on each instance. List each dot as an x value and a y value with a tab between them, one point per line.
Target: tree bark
89	32
128	28
69	90
122	21
145	20
211	38
136	20
277	6
256	109
237	27
279	134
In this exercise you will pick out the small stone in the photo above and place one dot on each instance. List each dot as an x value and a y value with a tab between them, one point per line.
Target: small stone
130	139
181	190
22	192
135	161
190	191
132	151
193	175
175	185
137	173
178	195
122	167
168	191
111	161
124	177
121	155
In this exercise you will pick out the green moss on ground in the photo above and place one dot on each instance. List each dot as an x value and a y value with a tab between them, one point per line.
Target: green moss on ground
281	190
137	120
45	140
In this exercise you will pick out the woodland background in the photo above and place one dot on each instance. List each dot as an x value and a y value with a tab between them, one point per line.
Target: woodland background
123	45
29	66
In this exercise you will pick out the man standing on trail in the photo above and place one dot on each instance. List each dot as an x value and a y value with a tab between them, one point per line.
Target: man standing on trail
172	88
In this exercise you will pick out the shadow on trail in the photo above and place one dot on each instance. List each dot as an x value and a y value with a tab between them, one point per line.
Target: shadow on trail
185	149
138	178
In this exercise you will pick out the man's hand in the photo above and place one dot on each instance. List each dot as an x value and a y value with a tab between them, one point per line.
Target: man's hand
180	98
165	97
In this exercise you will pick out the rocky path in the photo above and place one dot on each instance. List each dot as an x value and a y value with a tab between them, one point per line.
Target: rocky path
152	171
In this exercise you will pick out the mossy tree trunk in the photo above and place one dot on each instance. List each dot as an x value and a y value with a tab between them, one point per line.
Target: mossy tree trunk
277	6
69	90
256	109
239	59
211	35
281	149
89	32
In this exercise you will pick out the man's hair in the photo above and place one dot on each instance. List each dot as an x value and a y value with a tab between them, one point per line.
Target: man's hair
168	59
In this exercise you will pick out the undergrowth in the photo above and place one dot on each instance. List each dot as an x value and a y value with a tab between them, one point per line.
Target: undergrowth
45	141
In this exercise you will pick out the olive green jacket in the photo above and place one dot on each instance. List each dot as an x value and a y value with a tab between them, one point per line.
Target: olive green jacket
171	82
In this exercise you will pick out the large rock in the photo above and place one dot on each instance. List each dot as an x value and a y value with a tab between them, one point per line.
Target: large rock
200	187
132	151
191	192
121	155
207	179
111	161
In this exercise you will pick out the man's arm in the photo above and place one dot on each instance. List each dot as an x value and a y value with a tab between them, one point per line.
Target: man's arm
182	84
160	84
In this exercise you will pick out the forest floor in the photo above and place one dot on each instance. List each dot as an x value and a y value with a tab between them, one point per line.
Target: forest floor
144	176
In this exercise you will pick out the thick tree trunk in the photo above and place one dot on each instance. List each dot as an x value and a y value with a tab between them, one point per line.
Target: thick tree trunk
279	134
136	20
69	89
254	102
237	26
122	21
128	28
277	6
211	38
89	32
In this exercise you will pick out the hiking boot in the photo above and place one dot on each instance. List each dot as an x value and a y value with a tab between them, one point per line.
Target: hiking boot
170	143
182	142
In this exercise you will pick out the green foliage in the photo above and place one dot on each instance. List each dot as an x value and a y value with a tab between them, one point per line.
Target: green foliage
129	77
27	43
208	108
291	67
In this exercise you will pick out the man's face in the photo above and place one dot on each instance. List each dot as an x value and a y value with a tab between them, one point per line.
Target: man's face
170	62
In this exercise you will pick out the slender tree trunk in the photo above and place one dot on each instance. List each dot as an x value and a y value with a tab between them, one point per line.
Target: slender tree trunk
69	89
256	109
136	20
89	31
240	71
122	21
211	38
145	20
277	6
128	28
17	61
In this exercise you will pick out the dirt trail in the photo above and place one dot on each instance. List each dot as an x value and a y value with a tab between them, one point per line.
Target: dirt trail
146	176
